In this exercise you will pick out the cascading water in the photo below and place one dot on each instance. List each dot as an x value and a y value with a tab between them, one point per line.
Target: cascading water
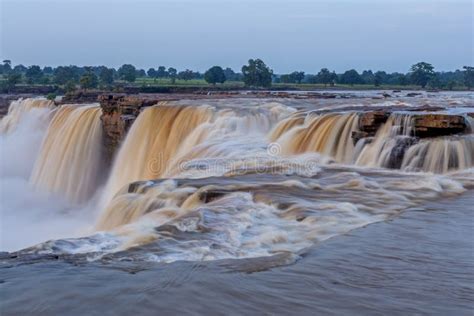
165	136
394	146
329	134
244	181
19	109
28	215
380	151
151	141
70	157
440	155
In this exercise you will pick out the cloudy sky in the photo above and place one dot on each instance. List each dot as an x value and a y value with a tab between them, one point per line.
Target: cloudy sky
287	35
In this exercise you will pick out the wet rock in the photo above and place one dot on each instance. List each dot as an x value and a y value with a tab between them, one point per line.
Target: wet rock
434	125
119	111
398	151
358	135
369	122
81	96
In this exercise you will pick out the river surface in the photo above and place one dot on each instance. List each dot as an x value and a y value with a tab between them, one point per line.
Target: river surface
238	207
421	262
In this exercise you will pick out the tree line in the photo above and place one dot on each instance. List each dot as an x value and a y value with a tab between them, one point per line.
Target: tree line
254	74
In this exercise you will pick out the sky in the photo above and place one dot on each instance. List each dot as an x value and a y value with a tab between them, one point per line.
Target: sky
288	35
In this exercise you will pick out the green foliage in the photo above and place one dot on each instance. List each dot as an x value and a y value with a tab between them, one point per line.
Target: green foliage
351	77
33	74
47	70
434	82
468	76
451	84
70	86
141	73
379	78
161	72
127	72
20	69
421	73
326	77
13	78
368	77
215	75
257	74
6	67
186	75
172	73
230	75
51	96
89	80
294	77
106	76
152	73
64	74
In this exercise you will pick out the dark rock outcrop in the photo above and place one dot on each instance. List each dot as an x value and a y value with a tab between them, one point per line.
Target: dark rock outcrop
80	96
369	122
434	125
118	114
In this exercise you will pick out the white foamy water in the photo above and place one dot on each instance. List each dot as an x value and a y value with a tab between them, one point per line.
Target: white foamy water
242	182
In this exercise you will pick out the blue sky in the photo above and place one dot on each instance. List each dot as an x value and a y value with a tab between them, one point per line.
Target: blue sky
287	35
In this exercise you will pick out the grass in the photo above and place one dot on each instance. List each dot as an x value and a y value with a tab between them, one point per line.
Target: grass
232	85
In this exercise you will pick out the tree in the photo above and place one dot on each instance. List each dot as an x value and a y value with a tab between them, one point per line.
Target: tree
230	74
13	78
215	75
127	72
402	80
141	73
284	79
33	74
297	76
257	74
421	73
20	69
152	73
48	70
88	80
351	77
161	72
435	82
368	77
468	76
106	76
70	86
324	76
64	74
451	84
379	78
186	75
6	67
172	73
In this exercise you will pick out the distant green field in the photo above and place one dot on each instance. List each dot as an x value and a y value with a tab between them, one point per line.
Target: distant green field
201	83
166	82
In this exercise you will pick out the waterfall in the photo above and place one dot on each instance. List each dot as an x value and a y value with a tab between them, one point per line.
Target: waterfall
18	109
153	138
329	134
440	155
395	147
165	136
388	144
70	156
